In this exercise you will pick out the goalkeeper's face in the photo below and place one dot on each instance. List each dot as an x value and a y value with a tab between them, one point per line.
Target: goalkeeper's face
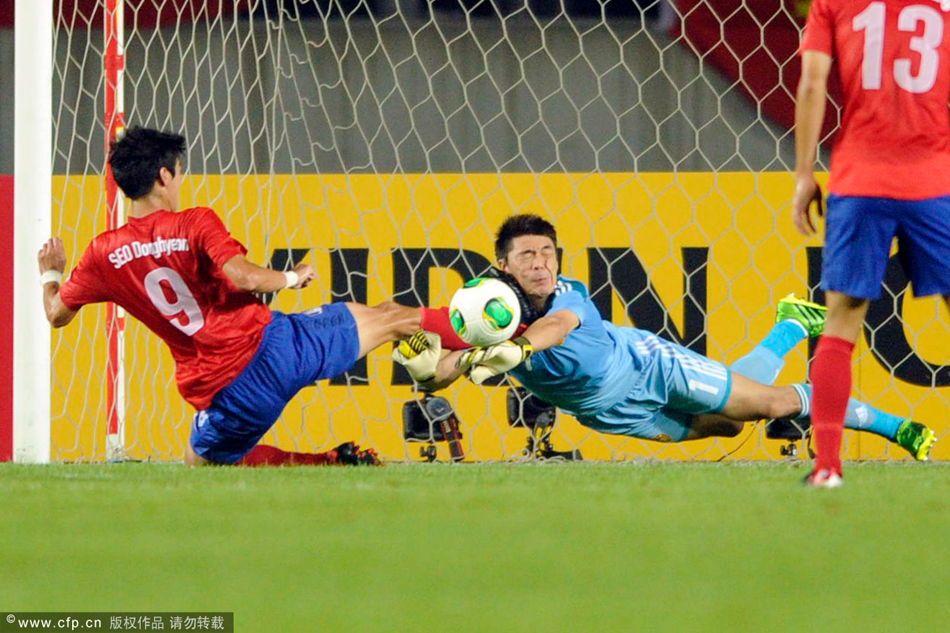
532	261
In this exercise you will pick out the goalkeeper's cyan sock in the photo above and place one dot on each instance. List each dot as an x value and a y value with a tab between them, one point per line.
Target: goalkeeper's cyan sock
765	361
831	385
858	415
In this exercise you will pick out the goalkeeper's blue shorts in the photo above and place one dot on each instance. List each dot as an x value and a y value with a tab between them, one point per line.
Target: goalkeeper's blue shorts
297	350
859	233
675	386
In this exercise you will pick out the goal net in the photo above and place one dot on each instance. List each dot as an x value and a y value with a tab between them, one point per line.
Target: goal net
383	141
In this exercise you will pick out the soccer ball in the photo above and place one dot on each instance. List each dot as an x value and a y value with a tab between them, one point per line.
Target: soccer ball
484	312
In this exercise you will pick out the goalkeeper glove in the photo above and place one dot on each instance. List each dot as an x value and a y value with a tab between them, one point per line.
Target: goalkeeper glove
420	355
494	360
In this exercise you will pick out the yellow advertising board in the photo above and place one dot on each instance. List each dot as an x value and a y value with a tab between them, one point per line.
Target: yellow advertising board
700	257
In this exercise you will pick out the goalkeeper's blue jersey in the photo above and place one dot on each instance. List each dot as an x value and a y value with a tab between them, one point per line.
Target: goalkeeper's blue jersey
616	378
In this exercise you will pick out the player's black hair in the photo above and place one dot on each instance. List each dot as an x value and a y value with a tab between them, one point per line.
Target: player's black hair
518	225
138	157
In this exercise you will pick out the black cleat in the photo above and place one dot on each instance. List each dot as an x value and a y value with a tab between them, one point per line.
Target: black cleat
350	454
787	429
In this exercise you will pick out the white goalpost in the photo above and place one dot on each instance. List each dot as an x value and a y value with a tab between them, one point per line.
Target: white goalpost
383	141
32	213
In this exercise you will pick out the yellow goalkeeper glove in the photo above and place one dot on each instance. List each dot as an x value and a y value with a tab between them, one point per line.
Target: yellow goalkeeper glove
420	355
494	360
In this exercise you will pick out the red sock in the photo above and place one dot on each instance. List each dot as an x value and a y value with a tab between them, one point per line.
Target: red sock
437	320
262	455
831	389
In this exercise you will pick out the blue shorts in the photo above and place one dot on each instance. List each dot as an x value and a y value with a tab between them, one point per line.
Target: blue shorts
297	350
859	232
675	386
636	420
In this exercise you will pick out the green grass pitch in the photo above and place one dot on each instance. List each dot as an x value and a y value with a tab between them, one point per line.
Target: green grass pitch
498	547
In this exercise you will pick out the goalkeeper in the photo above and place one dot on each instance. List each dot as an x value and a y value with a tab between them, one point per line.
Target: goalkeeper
184	277
623	380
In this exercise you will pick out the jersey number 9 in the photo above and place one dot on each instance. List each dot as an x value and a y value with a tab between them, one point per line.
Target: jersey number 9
183	312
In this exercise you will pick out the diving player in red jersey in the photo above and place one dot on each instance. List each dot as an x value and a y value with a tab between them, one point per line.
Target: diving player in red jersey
890	177
184	277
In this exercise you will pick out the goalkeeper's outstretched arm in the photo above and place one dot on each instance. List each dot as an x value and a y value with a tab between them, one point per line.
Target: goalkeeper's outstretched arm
495	360
548	331
551	329
451	367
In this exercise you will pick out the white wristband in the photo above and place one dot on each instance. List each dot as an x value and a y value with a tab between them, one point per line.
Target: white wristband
51	275
292	279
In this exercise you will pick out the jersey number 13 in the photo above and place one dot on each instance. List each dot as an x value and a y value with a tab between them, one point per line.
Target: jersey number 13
871	21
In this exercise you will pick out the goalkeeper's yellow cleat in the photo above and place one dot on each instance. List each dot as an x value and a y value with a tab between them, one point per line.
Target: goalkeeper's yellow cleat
916	438
810	316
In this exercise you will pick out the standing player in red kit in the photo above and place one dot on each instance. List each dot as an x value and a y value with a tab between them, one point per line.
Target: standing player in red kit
890	177
184	276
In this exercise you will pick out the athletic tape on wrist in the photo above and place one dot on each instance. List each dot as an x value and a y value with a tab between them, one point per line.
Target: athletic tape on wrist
51	275
292	279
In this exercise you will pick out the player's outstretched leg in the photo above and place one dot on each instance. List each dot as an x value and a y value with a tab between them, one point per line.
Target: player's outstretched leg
795	320
383	323
916	438
346	454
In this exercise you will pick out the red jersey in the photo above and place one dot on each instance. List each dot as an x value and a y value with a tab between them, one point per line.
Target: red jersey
893	58
165	270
